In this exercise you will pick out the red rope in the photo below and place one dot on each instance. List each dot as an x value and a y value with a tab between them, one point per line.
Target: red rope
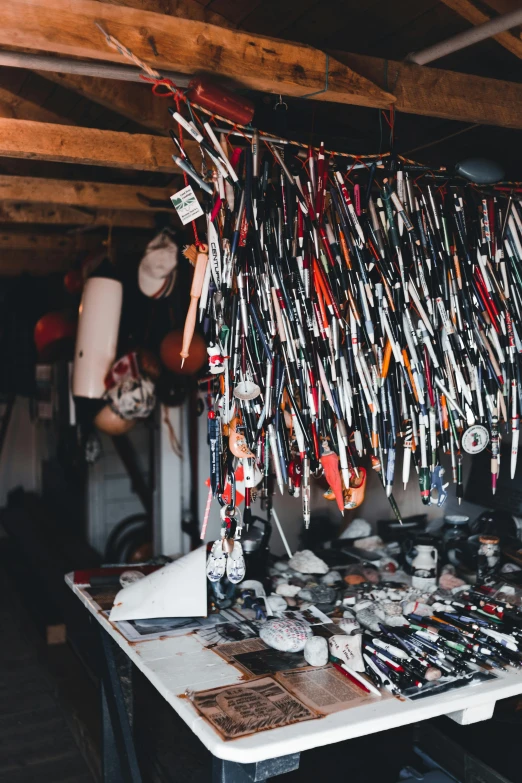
174	92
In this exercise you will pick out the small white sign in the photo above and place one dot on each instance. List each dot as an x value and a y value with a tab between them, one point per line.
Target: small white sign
186	205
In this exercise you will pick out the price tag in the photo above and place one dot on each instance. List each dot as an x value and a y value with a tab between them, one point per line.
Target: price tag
186	205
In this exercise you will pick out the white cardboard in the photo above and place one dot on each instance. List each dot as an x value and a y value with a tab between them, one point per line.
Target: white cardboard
179	589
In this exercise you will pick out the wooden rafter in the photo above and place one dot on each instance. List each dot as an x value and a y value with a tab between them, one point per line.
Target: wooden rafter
88	195
13	106
46	243
183	45
71	245
186	9
89	146
134	101
433	92
469	10
38	214
17	262
430	92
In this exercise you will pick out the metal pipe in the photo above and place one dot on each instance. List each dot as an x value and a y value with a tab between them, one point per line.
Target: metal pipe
475	34
42	62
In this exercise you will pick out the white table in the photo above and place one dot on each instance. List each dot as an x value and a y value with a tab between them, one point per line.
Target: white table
176	664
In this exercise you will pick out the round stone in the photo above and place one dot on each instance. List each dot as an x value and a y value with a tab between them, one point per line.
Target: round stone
129	577
322	594
307	563
331	578
316	651
285	635
286	590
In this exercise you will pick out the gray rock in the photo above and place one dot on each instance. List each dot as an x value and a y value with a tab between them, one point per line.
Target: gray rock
396	620
368	619
414	607
363	604
323	594
253	584
358	528
276	603
316	651
307	563
129	577
331	578
348	625
370	543
286	590
391	608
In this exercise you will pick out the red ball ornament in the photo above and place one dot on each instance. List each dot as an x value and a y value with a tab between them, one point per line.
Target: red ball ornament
54	336
73	281
170	353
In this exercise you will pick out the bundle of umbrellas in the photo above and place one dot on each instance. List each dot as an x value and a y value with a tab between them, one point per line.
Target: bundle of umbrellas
353	310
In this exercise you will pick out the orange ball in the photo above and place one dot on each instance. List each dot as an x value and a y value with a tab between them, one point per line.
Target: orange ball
109	422
354	579
170	349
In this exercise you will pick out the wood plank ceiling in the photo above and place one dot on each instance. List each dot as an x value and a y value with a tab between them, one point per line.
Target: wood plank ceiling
379	28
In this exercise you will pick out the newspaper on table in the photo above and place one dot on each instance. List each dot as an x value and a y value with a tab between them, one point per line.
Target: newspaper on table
323	690
249	707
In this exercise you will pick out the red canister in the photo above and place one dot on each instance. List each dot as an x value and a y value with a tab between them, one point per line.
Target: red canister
219	100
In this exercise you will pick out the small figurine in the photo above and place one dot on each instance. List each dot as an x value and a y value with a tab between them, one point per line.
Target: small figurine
216	360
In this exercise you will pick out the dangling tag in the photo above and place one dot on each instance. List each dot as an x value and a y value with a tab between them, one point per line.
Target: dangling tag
214	439
186	205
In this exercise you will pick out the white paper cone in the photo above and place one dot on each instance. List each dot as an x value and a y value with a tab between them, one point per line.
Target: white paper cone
97	338
179	589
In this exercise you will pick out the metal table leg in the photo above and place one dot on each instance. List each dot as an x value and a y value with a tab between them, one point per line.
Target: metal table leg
230	772
119	762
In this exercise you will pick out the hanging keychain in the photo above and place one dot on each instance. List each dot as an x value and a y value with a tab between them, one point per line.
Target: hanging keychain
226	555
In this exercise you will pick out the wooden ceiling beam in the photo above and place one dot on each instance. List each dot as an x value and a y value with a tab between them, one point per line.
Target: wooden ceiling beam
469	11
39	214
89	195
134	101
72	244
61	243
433	92
90	146
187	9
186	46
13	106
17	262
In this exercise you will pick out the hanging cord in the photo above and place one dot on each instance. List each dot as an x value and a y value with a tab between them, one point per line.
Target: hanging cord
174	440
157	79
185	176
